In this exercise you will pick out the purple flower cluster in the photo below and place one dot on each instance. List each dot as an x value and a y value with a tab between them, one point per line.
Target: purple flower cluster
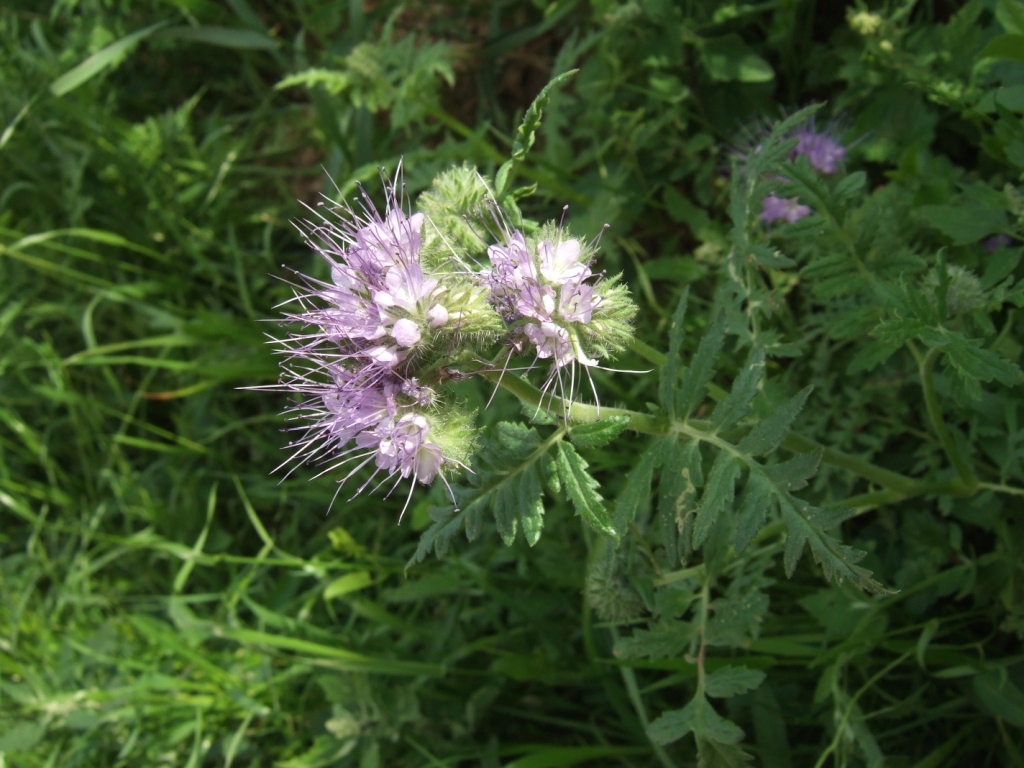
364	331
823	151
545	291
775	208
403	305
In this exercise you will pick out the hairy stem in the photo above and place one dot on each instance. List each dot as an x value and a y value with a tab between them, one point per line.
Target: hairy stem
897	487
960	463
636	699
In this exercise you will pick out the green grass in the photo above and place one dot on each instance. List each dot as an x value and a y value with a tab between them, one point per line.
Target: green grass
167	600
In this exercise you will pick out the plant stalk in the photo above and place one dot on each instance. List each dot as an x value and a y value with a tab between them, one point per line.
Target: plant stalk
962	465
897	487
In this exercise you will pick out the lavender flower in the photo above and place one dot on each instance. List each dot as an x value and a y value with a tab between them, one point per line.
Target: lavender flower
822	149
821	146
378	342
554	304
996	242
775	208
366	336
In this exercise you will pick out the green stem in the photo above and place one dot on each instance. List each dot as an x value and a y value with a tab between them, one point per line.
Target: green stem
635	698
960	463
879	476
648	353
848	709
897	487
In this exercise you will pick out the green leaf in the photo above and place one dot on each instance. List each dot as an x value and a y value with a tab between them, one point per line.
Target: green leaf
737	405
20	737
438	537
699	717
225	37
701	369
331	80
754	510
770	257
964	223
807	525
683	211
350	582
717	497
506	479
716	728
674	724
598	433
732	681
519	500
793	474
518	440
531	518
850	185
502	178
638	486
769	432
729	59
770	729
581	488
999	694
870	356
110	56
1010	13
1004	47
681	477
1000	264
670	371
970	359
736	618
526	135
716	754
665	640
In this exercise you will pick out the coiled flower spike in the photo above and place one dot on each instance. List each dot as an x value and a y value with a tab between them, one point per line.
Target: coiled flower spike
367	337
544	289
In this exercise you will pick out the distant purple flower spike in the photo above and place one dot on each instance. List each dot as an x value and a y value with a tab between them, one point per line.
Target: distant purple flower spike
993	244
821	149
775	208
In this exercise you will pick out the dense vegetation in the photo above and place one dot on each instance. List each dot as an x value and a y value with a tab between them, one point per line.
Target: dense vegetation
794	536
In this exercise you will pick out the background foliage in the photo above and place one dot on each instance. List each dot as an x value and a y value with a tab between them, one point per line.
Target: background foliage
167	601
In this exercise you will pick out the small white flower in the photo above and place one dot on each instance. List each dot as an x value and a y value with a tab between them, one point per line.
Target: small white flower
406	332
560	262
437	316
